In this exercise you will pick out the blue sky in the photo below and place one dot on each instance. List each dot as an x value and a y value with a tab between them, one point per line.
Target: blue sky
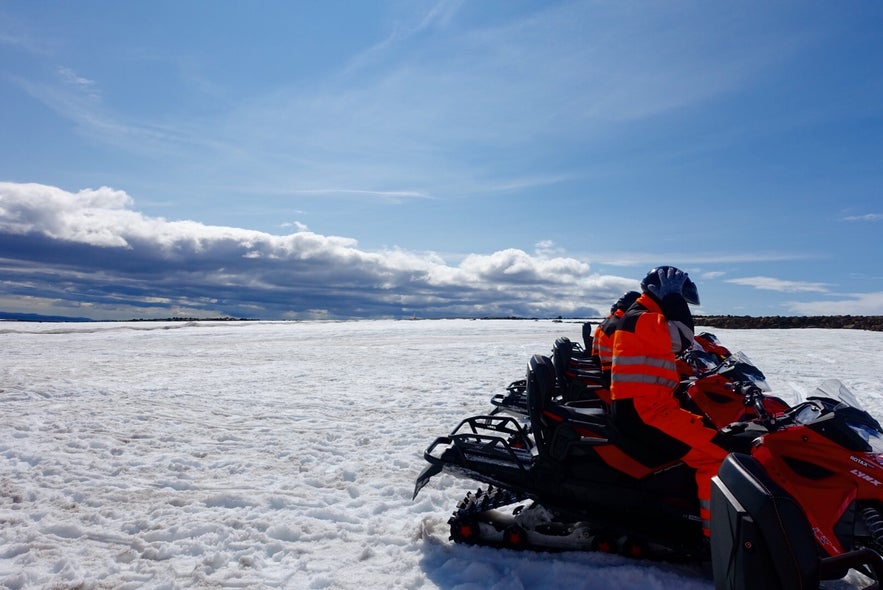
398	158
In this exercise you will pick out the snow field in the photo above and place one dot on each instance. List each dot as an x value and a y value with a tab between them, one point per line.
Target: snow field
283	455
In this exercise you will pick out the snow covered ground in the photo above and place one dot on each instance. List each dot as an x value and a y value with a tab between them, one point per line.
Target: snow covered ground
283	455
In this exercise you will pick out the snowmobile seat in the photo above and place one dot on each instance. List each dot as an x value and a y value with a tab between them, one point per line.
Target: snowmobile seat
513	401
540	390
570	356
760	537
571	349
573	430
577	374
562	353
560	429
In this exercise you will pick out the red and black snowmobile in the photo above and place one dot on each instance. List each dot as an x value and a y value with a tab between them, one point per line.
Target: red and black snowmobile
709	372
801	502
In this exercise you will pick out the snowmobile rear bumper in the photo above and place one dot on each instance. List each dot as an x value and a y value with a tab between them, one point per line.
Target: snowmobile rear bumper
477	443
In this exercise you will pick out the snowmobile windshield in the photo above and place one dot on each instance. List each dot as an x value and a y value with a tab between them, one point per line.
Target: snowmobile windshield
743	369
858	431
703	361
835	390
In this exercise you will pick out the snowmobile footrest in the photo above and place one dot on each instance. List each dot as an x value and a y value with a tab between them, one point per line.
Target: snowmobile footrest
836	565
760	538
833	567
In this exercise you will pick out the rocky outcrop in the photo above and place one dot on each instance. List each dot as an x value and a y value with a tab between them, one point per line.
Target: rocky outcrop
874	323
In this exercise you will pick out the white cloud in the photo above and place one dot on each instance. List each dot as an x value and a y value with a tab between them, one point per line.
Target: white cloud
772	284
299	226
92	250
711	274
517	266
548	248
865	217
90	216
686	259
93	247
392	195
855	304
83	85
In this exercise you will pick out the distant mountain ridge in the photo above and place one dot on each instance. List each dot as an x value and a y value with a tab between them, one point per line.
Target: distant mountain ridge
35	317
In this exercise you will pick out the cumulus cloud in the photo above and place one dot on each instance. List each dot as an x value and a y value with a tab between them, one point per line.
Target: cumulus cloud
92	250
772	284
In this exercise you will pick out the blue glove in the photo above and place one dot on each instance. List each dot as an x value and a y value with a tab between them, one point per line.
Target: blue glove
671	281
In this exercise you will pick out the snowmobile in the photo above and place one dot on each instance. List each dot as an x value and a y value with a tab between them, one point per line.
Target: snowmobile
710	372
801	501
578	377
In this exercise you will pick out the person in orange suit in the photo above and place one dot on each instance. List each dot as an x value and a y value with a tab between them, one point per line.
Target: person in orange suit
644	375
602	339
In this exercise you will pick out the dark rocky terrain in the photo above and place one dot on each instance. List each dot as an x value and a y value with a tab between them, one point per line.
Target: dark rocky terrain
874	323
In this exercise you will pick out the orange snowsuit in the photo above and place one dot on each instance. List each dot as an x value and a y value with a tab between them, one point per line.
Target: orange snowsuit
602	349
602	340
644	378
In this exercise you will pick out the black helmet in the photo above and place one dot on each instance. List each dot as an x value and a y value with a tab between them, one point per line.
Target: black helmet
625	301
688	291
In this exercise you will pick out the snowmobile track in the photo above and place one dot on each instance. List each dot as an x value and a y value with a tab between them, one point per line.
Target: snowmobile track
473	523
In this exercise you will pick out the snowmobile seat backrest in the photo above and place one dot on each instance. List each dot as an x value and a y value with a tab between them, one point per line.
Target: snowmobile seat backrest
561	429
562	352
540	390
760	537
588	334
578	375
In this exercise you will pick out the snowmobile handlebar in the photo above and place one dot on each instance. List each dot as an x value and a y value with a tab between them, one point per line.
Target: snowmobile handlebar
753	398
